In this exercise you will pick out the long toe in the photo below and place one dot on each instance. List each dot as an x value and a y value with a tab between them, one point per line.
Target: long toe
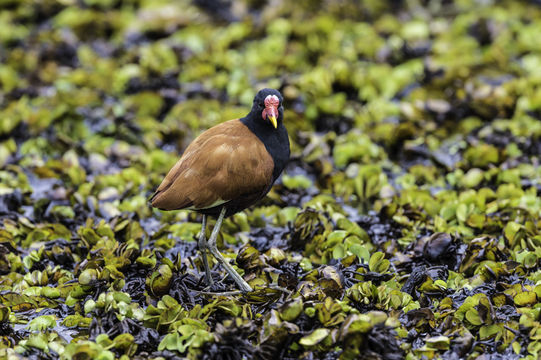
246	287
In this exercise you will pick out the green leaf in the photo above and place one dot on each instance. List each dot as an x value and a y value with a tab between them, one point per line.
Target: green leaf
511	232
77	320
438	342
378	263
88	276
50	292
338	251
462	212
38	341
473	317
315	337
290	311
352	228
472	178
361	252
42	323
296	182
169	342
516	347
489	331
525	298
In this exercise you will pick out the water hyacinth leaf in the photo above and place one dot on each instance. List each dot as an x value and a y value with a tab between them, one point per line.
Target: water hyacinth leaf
88	276
529	259
351	227
315	337
124	342
482	155
38	341
338	251
159	281
438	342
77	321
472	315
472	178
170	342
462	212
512	232
330	281
185	231
516	347
89	306
104	340
292	310
86	349
362	252
187	336
145	261
275	256
378	263
537	291
42	323
534	347
369	181
4	314
525	298
50	292
90	236
119	296
488	331
476	220
297	181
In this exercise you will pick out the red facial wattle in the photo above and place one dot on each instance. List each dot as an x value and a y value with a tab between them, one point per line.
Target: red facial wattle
271	109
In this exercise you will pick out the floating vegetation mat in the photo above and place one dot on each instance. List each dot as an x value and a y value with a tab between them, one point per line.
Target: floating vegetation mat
407	224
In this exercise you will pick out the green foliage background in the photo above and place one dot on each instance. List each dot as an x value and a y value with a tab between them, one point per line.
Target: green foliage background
406	225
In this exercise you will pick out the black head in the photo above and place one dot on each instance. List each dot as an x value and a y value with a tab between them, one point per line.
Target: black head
268	103
268	106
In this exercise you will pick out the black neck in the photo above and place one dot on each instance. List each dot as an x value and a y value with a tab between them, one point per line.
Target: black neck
276	140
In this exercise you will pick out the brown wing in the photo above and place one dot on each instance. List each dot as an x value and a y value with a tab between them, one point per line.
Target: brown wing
225	162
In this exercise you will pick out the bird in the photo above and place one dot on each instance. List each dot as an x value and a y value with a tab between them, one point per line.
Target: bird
227	169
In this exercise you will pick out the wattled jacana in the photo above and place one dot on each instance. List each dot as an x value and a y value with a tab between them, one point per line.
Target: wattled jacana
227	169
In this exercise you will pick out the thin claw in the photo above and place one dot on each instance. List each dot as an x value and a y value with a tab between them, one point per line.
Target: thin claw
203	248
243	285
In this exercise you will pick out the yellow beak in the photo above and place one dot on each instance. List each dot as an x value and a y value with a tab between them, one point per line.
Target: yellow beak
273	121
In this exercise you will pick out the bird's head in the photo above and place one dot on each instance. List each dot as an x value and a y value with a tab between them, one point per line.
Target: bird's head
268	103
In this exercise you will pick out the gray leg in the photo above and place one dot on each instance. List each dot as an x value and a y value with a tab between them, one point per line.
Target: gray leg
203	249
243	285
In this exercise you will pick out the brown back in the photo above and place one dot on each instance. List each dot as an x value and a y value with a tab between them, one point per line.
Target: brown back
224	163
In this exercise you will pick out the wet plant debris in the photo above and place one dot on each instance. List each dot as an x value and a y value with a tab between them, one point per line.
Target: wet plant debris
406	225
